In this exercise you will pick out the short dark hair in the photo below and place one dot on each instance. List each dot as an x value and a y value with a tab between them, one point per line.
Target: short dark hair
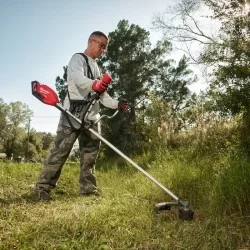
98	33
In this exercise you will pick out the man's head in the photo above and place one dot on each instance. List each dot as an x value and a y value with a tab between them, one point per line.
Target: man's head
97	44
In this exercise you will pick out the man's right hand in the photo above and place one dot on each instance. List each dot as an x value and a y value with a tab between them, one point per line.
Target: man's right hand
101	85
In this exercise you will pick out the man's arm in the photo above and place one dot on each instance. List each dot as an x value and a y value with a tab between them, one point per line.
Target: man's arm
108	102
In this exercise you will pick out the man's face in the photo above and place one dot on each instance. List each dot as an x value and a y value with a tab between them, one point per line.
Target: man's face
98	45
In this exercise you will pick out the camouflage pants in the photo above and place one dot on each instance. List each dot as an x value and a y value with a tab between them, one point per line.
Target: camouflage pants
89	146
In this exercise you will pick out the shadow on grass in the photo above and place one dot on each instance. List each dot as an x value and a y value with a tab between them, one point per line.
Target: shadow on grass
32	198
27	198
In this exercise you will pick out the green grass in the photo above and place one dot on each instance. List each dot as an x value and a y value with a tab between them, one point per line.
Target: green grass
123	217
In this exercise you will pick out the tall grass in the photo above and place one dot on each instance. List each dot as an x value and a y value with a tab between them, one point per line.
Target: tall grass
123	217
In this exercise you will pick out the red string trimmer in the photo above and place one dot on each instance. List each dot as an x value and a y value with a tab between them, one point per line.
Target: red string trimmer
48	96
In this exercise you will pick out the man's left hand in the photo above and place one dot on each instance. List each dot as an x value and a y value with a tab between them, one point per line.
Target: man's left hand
123	104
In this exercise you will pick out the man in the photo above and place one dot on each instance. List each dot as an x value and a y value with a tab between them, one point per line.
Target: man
82	78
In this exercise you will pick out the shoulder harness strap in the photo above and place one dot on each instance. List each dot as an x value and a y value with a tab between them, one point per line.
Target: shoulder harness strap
89	73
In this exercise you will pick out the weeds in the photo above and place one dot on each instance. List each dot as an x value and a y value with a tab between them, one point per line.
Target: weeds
124	217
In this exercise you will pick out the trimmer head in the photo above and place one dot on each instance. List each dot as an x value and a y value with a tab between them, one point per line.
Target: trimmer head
185	210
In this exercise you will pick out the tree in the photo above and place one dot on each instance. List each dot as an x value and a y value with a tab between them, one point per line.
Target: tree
133	64
180	25
61	84
17	114
227	53
231	83
176	93
47	139
171	85
3	120
32	143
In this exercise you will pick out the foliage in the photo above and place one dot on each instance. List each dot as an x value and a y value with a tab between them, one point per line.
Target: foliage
61	85
17	139
226	53
130	61
182	24
230	87
137	69
171	88
33	142
14	117
47	139
231	76
171	83
3	120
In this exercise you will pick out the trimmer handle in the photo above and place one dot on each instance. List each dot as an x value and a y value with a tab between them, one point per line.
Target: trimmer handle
106	116
106	79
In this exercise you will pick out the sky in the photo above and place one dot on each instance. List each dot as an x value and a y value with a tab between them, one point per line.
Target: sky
38	38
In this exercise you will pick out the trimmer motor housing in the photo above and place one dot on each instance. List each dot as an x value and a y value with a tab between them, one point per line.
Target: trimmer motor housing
185	210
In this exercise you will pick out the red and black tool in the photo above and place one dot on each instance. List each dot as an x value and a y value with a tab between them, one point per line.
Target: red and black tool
48	96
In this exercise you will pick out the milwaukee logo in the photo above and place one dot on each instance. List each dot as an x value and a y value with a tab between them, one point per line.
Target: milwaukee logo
43	91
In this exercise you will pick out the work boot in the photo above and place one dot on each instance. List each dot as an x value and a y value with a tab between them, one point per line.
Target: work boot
43	195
